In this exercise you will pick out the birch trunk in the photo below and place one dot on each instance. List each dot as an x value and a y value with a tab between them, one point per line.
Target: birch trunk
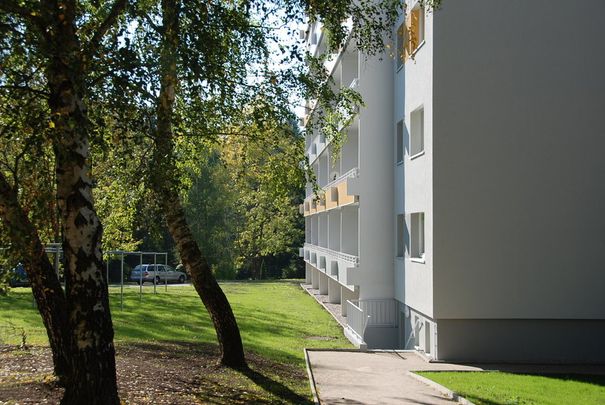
45	285
89	320
164	179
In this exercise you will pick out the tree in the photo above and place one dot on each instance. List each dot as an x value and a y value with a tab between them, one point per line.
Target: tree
211	205
164	179
211	61
265	169
62	40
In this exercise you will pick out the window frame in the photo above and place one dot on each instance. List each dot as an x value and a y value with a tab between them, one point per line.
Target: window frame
418	237
418	30
399	142
400	236
400	46
414	121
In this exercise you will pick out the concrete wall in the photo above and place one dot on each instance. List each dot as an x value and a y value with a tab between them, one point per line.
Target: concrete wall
376	225
518	145
381	337
413	178
418	175
523	341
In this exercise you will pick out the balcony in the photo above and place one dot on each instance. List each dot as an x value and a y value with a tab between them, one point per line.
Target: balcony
315	250
317	148
364	315
337	265
357	321
334	195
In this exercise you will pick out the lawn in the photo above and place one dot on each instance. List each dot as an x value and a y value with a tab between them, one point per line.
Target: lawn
500	388
277	320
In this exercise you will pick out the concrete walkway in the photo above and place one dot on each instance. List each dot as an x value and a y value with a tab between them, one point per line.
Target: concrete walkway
369	378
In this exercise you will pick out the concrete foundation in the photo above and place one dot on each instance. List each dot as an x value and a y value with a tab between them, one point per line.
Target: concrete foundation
323	283
333	291
315	278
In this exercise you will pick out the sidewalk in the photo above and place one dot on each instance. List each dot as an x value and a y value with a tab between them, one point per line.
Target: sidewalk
384	377
349	377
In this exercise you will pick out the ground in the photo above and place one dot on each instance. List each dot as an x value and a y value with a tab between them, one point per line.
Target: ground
160	373
166	351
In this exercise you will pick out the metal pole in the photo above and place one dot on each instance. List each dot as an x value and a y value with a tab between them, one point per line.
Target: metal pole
122	283
155	272
166	269
57	261
141	277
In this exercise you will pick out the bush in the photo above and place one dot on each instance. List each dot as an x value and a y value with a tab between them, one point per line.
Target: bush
294	270
223	271
243	274
115	269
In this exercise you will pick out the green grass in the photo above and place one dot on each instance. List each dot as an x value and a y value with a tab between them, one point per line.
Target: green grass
500	388
276	319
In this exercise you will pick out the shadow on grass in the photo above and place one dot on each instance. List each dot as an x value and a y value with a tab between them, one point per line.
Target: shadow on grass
264	382
275	387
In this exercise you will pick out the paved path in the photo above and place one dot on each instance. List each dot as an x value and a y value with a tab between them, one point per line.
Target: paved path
374	378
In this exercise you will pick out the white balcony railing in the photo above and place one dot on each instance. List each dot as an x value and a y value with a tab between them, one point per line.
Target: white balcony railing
354	84
353	173
314	249
357	320
380	312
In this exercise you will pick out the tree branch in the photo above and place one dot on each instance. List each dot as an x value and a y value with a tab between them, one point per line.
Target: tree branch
13	7
25	88
115	11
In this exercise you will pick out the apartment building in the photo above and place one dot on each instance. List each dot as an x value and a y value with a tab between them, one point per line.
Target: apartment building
463	216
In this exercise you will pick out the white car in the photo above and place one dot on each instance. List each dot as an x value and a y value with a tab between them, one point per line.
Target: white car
156	273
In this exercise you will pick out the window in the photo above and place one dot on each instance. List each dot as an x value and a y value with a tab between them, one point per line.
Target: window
416	28
400	235
401	55
399	141
417	131
417	235
410	34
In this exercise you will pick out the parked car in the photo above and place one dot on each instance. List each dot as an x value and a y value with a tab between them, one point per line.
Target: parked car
159	272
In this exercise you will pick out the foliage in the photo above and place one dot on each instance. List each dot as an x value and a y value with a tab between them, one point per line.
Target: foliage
271	183
242	205
118	194
211	207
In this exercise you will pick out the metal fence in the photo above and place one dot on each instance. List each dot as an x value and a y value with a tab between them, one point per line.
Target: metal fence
55	253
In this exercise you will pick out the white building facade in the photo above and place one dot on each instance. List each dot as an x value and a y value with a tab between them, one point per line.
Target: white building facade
463	215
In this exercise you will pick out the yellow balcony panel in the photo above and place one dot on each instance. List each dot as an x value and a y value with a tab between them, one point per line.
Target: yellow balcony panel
307	207
313	203
321	204
331	197
343	197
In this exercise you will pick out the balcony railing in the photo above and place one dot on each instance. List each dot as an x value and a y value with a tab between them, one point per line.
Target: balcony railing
381	312
334	194
335	254
357	320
